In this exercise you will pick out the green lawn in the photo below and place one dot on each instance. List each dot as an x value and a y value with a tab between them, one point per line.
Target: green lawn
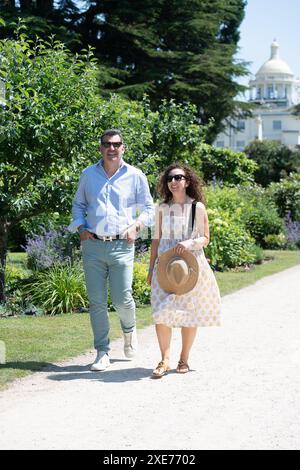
231	281
33	342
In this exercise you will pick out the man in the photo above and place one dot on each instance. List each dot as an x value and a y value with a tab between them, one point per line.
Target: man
104	213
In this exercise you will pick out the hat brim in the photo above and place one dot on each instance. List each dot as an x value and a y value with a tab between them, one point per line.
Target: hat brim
162	278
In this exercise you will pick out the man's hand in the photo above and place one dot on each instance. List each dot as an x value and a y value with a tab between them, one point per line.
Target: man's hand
85	235
131	233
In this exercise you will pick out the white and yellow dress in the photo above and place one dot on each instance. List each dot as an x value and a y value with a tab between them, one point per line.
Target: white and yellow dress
202	305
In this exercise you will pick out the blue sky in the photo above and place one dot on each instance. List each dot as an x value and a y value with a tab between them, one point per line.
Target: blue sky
264	21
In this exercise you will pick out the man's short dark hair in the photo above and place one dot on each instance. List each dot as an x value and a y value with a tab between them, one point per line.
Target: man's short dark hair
110	133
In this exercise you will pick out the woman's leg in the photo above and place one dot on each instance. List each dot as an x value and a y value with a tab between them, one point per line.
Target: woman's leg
188	335
164	334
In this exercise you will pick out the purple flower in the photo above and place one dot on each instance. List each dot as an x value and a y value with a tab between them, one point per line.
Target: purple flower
49	248
293	229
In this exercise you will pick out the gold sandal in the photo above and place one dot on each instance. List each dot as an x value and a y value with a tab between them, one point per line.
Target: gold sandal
160	370
182	367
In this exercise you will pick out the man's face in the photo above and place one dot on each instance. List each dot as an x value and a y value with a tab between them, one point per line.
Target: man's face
112	148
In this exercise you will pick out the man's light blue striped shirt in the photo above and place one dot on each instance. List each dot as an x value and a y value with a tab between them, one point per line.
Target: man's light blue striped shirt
108	206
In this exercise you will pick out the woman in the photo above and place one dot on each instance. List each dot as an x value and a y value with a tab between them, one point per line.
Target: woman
179	186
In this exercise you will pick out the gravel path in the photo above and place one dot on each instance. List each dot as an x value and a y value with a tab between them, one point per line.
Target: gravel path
243	391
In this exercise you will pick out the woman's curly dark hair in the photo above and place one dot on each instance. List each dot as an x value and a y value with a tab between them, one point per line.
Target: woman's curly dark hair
194	189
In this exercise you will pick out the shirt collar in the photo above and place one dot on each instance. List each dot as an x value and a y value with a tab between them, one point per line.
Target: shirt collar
100	165
101	162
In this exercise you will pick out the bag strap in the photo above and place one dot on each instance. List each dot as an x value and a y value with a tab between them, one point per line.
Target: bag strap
194	203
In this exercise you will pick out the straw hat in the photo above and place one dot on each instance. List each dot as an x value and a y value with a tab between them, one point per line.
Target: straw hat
177	274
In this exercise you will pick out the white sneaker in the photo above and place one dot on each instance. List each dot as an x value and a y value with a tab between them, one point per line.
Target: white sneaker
130	344
102	361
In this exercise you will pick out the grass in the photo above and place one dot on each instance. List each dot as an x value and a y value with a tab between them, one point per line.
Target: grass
35	342
276	261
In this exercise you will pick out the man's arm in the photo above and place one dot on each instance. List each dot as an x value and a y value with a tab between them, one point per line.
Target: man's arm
79	207
145	202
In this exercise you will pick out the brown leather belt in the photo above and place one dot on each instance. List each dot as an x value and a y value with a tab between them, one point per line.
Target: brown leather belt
108	238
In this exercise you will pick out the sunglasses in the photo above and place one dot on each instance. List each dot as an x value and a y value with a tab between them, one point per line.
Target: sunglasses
115	145
175	177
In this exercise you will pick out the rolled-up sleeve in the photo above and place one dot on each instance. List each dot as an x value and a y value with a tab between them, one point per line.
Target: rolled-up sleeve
79	206
144	201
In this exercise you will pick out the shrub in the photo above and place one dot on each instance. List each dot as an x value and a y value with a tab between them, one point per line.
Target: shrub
59	289
49	248
258	253
231	245
292	232
225	199
142	250
262	222
274	160
14	305
260	215
4	311
47	222
286	195
141	290
33	310
251	206
13	274
225	166
275	242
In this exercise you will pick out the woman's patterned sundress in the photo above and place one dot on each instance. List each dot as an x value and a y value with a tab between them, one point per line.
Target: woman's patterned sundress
202	305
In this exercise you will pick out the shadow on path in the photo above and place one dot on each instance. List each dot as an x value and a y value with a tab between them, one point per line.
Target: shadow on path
81	372
117	376
35	366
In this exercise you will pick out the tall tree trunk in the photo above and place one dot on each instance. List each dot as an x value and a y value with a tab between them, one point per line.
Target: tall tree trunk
44	7
10	3
26	6
3	254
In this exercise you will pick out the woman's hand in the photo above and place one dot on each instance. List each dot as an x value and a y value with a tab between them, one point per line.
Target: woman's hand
149	278
150	274
181	247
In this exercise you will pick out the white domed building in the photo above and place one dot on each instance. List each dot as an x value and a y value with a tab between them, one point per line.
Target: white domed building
275	90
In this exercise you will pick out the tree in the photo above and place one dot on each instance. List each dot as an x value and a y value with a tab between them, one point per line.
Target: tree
176	133
275	160
171	49
43	18
225	166
48	129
